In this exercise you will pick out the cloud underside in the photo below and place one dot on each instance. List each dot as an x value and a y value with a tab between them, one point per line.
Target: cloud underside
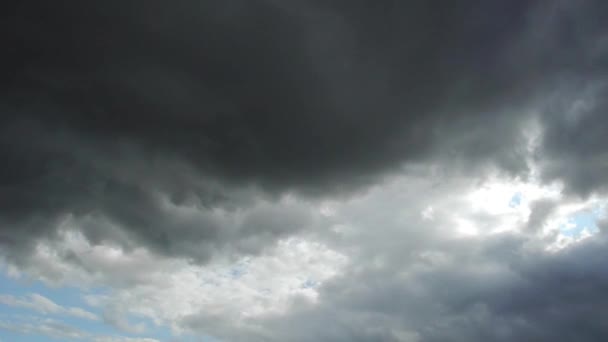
140	139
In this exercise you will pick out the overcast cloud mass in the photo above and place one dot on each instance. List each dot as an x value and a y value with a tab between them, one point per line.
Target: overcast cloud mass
303	170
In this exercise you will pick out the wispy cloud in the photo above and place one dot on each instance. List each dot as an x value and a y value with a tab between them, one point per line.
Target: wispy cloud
44	305
62	331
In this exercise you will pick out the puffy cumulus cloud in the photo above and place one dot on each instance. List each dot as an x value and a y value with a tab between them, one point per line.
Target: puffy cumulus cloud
411	278
380	269
144	285
135	217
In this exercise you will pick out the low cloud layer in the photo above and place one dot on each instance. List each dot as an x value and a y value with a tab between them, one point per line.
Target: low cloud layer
437	172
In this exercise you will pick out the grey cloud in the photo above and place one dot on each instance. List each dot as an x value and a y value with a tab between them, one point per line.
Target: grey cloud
410	278
122	323
574	144
184	127
555	298
540	211
481	296
101	101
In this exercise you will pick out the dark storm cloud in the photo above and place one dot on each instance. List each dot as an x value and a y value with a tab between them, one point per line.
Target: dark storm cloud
574	121
575	145
161	203
108	107
259	93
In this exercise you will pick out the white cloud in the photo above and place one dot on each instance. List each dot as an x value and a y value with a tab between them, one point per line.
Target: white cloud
44	305
409	237
59	330
123	339
45	327
249	288
427	213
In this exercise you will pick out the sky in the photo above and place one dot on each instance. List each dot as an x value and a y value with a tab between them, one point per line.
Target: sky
303	170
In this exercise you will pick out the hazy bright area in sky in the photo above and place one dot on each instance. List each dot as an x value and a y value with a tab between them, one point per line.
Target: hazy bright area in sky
303	170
